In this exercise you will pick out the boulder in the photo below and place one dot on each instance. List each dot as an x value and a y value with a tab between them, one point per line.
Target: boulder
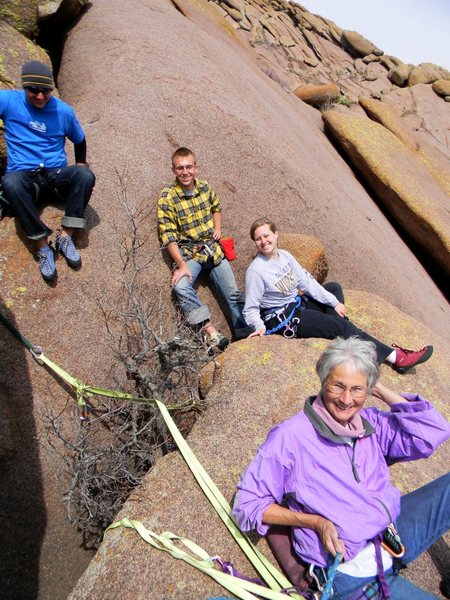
256	33
17	50
311	61
313	43
400	74
259	382
316	95
371	73
22	15
308	251
399	179
233	12
316	23
441	87
60	13
390	62
424	73
360	66
234	4
372	58
433	159
286	41
385	115
358	44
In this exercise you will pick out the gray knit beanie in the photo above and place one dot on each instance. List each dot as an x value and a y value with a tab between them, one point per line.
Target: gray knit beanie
37	74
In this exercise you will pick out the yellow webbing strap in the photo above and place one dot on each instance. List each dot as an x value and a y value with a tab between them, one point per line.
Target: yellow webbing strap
202	561
271	575
266	570
81	390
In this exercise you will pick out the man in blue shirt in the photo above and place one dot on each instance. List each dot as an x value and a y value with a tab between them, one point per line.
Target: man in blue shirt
36	127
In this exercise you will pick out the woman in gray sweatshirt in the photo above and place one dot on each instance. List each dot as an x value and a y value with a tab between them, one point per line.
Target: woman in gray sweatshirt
273	304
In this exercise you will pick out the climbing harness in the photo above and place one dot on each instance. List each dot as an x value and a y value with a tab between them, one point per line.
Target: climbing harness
290	323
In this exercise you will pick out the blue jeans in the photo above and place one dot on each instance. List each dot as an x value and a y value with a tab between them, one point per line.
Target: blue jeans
72	184
222	276
424	517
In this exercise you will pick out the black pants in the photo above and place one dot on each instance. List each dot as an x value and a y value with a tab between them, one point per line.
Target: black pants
321	321
72	184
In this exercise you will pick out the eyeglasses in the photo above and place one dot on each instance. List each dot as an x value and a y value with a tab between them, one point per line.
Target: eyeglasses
356	392
36	90
181	168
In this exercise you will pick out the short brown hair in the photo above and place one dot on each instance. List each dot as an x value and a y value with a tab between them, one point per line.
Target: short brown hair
183	151
260	223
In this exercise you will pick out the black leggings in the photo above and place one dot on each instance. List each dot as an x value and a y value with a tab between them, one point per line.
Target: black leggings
321	321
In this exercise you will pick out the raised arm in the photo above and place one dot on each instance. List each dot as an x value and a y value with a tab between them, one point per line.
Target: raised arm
386	395
411	429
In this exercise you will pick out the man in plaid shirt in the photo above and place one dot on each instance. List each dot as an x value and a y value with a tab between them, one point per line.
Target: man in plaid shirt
189	221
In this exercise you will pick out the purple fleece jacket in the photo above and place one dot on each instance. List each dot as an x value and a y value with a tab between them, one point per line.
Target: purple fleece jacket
314	471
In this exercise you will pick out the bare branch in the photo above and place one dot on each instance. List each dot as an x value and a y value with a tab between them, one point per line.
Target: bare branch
102	459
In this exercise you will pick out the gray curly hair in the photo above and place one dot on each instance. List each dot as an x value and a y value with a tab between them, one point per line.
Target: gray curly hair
355	351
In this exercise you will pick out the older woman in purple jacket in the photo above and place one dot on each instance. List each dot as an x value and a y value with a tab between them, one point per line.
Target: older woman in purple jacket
324	474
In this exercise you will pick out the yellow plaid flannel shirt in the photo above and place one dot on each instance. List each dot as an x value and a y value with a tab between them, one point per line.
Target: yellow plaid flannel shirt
188	221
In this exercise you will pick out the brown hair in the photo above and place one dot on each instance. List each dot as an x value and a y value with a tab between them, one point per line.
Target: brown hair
182	152
260	223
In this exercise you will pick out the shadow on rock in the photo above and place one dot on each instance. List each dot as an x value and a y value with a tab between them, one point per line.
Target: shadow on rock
22	508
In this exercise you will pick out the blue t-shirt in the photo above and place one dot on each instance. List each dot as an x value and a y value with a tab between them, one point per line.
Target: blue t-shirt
37	135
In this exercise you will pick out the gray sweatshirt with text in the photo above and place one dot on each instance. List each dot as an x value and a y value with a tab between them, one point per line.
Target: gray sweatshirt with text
273	283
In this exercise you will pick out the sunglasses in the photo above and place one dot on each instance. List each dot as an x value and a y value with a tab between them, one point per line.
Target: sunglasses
37	90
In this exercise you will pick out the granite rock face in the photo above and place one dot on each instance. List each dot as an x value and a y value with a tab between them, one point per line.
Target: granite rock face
399	179
138	96
22	15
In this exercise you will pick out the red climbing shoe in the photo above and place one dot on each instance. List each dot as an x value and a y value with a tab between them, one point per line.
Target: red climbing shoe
407	359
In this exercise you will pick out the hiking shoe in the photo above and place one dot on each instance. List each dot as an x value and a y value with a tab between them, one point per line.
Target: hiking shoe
407	359
219	341
66	247
46	258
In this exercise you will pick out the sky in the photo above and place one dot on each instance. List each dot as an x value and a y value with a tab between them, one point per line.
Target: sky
414	31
